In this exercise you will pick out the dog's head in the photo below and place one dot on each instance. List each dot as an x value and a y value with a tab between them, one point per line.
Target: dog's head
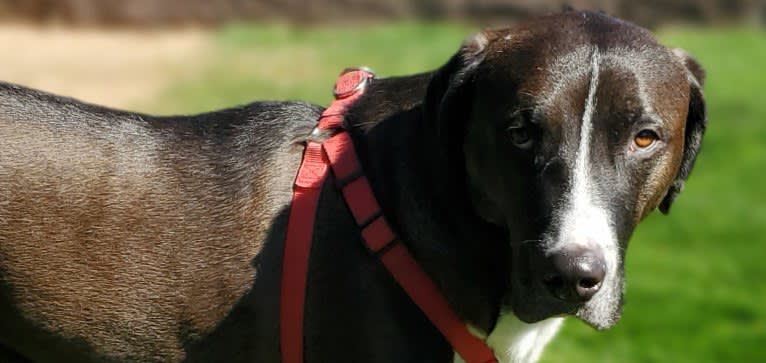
573	128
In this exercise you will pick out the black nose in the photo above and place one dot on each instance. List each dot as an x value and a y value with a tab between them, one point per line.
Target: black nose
576	274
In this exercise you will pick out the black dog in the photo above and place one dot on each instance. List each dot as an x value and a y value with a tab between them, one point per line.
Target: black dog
515	174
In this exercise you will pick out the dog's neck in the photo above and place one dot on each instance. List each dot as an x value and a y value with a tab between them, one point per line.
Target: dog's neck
425	202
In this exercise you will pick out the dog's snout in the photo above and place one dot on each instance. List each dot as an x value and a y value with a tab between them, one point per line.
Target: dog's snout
576	274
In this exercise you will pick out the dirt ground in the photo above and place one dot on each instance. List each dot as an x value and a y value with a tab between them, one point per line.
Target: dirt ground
116	68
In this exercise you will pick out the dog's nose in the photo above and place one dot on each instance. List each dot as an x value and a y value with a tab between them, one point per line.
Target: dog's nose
576	274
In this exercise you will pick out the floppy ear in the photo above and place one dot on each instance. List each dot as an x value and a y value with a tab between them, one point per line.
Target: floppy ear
447	102
696	122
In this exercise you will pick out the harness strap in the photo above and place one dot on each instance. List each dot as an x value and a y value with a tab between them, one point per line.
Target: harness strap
338	152
295	262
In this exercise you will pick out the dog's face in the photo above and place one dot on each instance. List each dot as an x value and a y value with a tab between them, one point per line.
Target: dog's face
574	127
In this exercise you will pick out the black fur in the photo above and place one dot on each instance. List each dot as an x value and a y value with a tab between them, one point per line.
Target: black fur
129	237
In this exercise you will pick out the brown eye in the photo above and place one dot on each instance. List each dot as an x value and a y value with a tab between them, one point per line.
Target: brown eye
520	136
645	138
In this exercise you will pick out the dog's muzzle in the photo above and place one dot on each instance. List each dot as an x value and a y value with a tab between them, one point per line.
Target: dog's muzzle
575	280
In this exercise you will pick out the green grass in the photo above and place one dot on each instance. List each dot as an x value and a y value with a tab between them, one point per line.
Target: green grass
282	62
695	278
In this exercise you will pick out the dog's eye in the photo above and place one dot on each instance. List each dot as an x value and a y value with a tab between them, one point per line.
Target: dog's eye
520	136
645	138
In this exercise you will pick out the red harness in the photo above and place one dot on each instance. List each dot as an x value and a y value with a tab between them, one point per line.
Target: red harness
337	153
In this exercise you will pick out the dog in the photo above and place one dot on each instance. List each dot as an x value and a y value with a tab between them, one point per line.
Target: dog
515	174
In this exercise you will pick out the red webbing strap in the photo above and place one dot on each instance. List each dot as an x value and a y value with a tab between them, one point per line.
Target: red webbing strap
300	225
379	238
295	262
381	241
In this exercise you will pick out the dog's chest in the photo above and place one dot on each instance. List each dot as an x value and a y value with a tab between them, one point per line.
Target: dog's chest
514	341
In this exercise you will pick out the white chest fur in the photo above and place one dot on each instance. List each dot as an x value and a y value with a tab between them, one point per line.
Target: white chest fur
517	342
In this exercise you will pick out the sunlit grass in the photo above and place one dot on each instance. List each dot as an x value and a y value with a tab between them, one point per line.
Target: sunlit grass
695	278
281	62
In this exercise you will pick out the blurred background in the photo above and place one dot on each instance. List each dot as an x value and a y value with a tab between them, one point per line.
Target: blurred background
696	290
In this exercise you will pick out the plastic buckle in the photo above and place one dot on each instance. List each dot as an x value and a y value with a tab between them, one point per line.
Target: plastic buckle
351	81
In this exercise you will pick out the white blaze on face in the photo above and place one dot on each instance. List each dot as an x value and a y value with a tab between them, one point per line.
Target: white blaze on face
584	223
584	220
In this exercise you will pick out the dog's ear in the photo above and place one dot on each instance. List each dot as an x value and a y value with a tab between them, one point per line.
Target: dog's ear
696	122
448	97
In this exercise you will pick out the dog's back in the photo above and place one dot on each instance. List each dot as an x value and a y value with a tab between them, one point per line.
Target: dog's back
111	216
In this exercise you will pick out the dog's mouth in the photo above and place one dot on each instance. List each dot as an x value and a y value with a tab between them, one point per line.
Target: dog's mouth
532	300
531	307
